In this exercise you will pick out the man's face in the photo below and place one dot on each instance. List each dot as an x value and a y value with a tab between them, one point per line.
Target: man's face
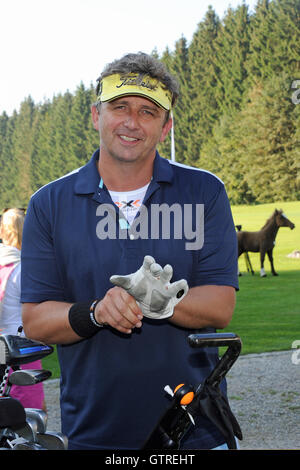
130	128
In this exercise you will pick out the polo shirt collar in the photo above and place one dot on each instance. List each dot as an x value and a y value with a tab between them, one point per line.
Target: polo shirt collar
88	177
162	170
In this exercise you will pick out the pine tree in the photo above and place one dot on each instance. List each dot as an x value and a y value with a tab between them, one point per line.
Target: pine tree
61	118
286	36
164	148
177	63
181	70
259	153
3	129
92	136
261	50
221	155
7	174
22	151
274	39
203	84
79	126
42	147
232	46
294	152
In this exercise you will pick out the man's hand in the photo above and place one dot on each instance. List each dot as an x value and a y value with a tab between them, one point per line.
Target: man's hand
151	288
119	310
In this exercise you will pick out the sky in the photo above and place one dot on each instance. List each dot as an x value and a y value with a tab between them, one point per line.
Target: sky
49	47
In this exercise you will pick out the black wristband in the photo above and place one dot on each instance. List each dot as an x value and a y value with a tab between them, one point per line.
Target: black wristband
81	321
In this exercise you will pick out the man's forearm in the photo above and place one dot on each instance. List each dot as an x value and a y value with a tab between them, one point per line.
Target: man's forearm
48	322
205	306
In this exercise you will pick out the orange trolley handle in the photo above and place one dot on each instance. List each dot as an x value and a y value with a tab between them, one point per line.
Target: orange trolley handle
207	400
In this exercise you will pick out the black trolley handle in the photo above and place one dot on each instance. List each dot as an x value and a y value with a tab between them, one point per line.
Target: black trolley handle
229	340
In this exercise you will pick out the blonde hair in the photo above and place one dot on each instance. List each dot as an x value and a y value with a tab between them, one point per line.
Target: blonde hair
11	227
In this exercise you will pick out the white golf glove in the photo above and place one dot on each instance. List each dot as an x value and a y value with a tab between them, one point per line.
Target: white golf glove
151	288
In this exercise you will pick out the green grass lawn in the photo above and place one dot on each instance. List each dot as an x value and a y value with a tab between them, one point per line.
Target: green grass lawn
267	314
51	363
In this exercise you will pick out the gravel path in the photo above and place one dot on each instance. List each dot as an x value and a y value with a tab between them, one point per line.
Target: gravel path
264	393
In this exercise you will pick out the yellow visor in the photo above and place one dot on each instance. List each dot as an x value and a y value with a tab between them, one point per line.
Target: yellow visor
117	85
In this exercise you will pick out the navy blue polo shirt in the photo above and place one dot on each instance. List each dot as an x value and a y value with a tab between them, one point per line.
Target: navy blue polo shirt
112	385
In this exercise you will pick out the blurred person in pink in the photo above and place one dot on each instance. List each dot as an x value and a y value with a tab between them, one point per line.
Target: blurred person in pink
11	229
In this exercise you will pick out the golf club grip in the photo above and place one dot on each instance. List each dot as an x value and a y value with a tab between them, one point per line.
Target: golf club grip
29	376
230	340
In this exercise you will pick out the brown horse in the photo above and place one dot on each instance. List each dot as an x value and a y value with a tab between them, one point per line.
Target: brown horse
263	241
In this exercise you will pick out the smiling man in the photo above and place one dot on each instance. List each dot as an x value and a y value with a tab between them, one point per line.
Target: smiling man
130	125
122	336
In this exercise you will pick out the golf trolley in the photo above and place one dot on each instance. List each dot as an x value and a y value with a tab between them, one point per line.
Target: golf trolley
23	428
206	400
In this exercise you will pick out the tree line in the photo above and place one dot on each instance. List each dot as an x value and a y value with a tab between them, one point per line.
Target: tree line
235	115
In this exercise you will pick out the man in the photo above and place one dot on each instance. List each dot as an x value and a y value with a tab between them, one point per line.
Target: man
98	222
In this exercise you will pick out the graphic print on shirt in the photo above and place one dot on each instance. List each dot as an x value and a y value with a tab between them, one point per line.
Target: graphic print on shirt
129	202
